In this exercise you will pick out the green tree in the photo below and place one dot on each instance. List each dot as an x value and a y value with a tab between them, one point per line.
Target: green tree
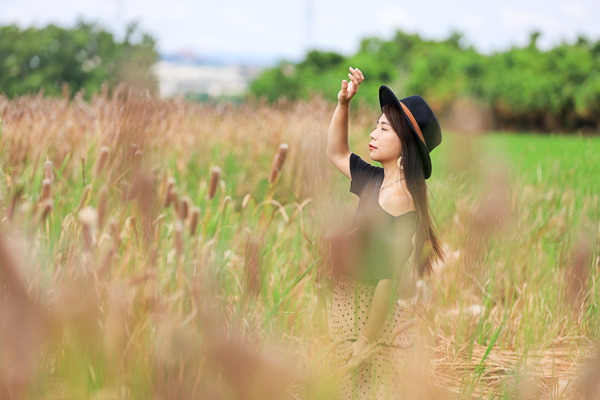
524	88
84	56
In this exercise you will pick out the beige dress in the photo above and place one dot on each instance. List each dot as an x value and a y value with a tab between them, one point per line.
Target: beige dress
350	309
371	231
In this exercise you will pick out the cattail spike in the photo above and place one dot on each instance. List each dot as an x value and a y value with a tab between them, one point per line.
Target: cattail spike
282	155
48	171
102	202
195	215
167	199
214	181
175	200
185	207
278	162
102	159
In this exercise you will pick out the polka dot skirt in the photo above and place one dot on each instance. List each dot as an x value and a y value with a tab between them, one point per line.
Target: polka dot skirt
349	313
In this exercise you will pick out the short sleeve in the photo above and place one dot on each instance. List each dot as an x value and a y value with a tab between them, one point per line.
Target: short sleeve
361	172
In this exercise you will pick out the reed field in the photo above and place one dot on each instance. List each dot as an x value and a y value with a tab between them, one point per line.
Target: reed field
163	249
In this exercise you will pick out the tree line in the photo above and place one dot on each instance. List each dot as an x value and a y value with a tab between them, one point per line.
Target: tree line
523	88
84	57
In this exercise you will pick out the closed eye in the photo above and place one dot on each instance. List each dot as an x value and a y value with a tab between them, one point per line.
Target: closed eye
377	122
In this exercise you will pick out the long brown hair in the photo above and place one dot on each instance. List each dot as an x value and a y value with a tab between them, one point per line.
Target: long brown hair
427	244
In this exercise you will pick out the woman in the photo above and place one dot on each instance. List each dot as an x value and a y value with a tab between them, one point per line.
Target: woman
393	207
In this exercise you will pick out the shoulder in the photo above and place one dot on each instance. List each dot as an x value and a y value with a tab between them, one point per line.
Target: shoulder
399	203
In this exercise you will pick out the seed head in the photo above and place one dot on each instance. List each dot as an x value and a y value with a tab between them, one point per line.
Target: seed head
102	159
48	171
185	207
175	200
167	199
102	201
278	162
214	181
195	215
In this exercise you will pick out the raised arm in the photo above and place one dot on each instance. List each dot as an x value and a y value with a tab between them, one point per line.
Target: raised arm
338	150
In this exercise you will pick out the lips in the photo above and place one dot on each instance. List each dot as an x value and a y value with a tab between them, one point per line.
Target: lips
372	147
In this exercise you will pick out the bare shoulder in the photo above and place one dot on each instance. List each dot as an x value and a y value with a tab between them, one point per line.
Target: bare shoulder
398	202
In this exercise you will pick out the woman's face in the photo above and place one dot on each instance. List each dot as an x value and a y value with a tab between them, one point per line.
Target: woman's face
385	140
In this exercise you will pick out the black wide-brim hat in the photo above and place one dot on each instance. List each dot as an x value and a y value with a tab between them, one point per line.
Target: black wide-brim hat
421	119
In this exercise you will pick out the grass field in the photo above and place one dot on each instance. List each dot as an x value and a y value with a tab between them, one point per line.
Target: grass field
153	274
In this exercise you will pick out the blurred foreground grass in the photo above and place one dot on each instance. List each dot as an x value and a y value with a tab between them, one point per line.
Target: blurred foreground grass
111	290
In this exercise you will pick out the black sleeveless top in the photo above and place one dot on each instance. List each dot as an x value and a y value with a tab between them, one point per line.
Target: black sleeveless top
381	243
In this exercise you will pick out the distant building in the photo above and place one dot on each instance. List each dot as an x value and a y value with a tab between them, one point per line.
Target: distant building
213	80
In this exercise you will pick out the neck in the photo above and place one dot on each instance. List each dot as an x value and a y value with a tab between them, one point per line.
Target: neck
391	172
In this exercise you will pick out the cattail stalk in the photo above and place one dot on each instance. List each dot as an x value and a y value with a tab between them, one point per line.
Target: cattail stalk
102	203
137	160
134	189
84	196
179	237
102	159
106	263
46	189
13	203
252	276
115	233
124	191
83	171
47	208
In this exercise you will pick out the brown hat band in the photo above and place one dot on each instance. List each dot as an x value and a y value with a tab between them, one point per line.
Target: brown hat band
414	122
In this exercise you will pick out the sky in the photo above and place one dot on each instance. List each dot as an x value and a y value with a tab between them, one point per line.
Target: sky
275	29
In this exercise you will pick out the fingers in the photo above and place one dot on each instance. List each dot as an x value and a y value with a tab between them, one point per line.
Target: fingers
356	77
360	73
354	80
355	74
344	86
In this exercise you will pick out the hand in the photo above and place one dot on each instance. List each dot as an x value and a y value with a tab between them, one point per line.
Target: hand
357	349
349	89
